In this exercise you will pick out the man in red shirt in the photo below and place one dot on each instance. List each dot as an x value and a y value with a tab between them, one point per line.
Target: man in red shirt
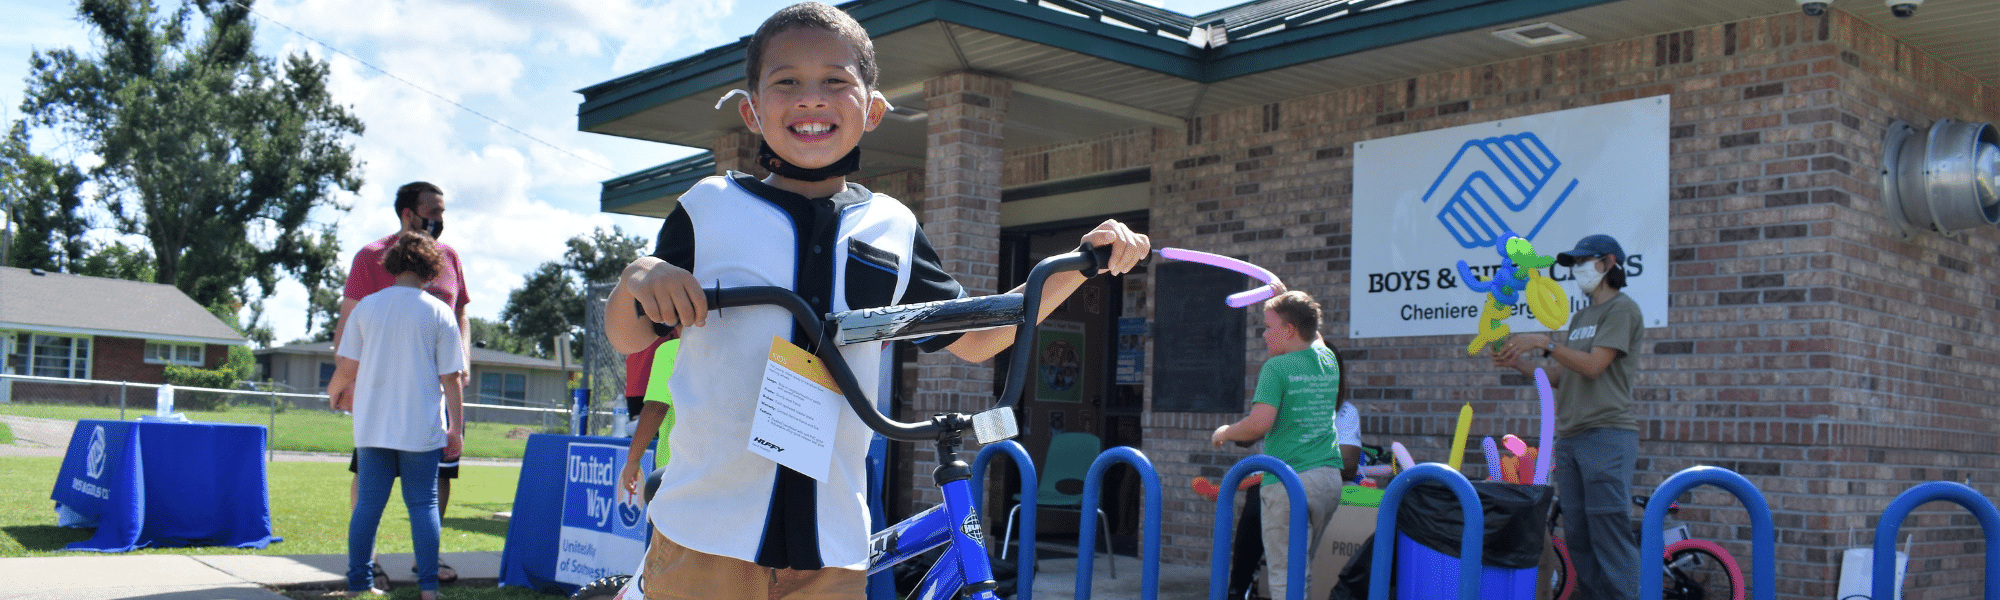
420	207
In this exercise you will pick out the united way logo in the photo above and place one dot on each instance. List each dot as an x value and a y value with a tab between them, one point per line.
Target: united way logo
96	457
1495	185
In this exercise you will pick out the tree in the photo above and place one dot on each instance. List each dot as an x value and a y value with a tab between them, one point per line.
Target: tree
118	261
44	205
603	256
550	301
323	305
494	335
203	142
545	306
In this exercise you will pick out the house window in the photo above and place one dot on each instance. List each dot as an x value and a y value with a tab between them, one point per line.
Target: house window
325	375
49	356
503	388
160	353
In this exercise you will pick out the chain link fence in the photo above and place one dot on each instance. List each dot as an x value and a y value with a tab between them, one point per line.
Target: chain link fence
603	367
257	404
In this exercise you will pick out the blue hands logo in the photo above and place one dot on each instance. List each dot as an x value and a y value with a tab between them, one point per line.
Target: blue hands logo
1511	171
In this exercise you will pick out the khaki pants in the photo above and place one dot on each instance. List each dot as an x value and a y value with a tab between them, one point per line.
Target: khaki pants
1322	486
674	572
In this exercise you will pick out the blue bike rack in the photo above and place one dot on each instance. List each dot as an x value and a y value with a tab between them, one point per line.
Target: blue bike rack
1149	570
1471	547
1025	573
1225	525
1763	560
1899	509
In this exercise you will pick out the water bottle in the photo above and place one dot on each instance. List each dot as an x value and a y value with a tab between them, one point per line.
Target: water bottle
579	412
621	423
163	402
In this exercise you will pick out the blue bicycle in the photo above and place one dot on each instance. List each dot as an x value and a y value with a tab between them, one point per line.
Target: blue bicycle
963	570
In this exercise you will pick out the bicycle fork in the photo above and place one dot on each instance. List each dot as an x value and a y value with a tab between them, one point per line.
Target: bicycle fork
964	564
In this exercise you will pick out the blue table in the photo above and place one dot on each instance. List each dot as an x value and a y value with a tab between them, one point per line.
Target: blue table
153	484
567	528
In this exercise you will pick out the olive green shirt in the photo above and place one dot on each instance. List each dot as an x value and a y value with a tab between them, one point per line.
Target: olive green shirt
1583	403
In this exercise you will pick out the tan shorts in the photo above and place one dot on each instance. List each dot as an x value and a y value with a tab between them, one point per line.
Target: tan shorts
674	572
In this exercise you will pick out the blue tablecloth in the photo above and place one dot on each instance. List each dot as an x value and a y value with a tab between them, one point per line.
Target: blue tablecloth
151	484
561	487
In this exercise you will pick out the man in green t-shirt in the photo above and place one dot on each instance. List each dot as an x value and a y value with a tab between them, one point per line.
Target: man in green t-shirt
646	374
1298	392
1597	433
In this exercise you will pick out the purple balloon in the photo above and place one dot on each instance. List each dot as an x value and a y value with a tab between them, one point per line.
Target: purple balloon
1492	458
1548	450
1239	299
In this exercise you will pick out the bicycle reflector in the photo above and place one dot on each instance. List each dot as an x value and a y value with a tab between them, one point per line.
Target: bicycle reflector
995	425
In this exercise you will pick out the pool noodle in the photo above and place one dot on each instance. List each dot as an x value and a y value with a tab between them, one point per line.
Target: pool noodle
1548	426
1458	437
1239	299
1492	458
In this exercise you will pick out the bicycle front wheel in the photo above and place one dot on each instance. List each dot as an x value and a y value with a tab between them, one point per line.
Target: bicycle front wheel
1559	579
1701	570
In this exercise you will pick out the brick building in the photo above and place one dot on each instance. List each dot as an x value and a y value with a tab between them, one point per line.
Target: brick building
1810	344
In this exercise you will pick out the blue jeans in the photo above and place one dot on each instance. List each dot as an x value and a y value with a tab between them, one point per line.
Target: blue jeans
376	471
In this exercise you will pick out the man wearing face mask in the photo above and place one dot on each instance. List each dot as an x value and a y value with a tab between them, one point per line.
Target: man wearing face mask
1597	435
420	208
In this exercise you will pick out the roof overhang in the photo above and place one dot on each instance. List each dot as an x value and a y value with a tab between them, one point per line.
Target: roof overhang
1082	68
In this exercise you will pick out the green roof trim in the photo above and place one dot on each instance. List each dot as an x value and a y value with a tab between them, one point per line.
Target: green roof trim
670	179
1374	29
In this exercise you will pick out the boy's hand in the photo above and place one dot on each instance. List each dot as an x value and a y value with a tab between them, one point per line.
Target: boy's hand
667	293
1127	247
628	480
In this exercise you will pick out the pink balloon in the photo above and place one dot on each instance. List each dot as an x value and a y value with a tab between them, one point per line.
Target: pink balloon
1515	445
1239	299
1402	455
1548	449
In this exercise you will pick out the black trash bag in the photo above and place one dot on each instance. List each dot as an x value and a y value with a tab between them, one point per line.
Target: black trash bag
1516	520
1353	582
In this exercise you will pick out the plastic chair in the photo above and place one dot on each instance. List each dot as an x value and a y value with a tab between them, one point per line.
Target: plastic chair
1062	473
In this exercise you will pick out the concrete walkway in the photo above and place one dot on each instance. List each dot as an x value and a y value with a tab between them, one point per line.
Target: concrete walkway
232	577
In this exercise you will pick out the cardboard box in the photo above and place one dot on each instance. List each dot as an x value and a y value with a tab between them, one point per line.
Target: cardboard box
1351	525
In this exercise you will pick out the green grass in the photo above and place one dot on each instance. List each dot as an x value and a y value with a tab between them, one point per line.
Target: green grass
308	509
296	430
6	434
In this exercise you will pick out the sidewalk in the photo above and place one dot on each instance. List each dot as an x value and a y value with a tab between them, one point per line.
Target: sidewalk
234	577
251	577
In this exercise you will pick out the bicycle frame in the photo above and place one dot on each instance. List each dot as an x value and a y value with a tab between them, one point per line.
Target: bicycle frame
964	564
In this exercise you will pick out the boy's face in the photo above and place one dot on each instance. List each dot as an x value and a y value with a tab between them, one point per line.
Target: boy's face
811	98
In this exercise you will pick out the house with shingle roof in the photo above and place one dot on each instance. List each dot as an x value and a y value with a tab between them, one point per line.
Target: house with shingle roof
79	327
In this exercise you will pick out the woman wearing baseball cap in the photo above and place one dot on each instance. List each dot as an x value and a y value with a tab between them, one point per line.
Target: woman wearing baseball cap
1597	434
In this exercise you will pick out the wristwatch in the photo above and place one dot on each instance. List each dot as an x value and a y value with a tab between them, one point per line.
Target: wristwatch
1550	349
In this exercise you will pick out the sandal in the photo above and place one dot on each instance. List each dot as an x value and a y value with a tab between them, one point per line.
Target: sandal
442	578
381	577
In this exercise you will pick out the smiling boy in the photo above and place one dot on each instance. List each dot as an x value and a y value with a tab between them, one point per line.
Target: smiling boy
730	523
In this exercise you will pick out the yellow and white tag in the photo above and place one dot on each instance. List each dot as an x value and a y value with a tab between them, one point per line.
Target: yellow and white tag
798	410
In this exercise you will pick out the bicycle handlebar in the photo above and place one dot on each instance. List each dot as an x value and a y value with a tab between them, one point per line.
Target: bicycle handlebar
901	322
948	316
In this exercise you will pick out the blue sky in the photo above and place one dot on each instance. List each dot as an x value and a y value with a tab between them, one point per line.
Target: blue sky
512	197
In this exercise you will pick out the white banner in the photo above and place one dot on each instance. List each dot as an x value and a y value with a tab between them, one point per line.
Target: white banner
602	534
1424	201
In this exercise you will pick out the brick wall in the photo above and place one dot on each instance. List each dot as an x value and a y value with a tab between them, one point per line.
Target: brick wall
124	359
961	216
1808	349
